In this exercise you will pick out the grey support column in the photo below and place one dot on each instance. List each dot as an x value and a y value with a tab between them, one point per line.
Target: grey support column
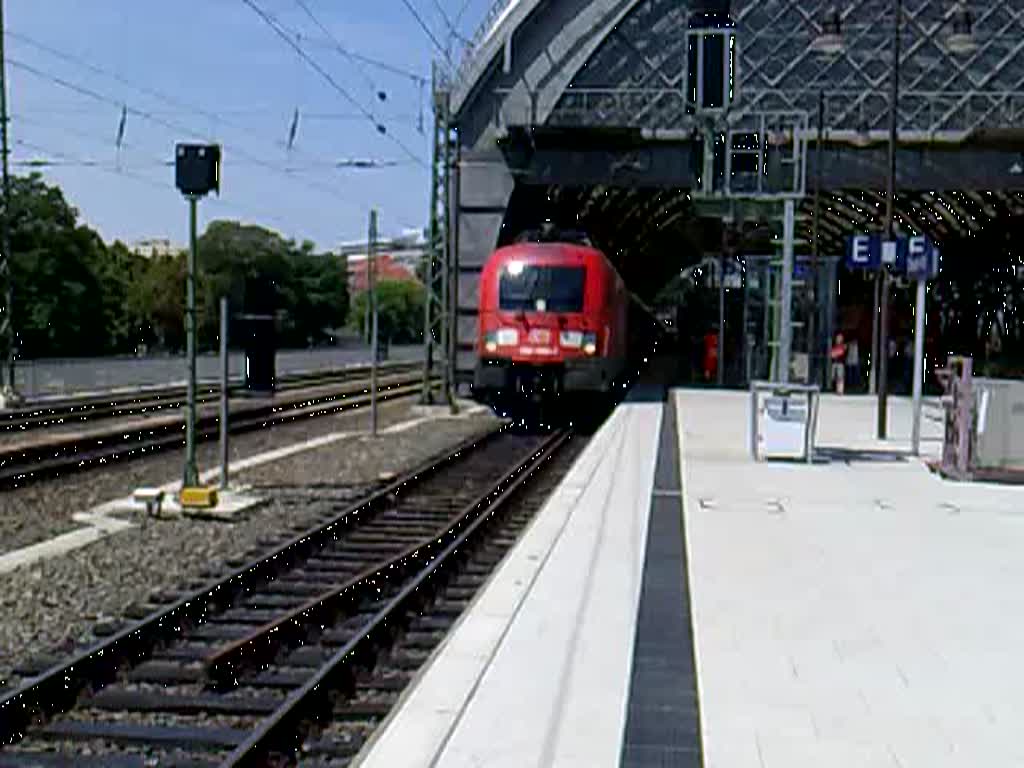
786	324
484	190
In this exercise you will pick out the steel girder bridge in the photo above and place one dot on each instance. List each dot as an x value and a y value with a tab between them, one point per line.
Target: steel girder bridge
583	110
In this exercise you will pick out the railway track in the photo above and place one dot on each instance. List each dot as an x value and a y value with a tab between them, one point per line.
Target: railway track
293	658
32	458
80	409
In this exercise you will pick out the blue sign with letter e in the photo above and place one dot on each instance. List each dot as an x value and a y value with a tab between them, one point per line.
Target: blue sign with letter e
864	252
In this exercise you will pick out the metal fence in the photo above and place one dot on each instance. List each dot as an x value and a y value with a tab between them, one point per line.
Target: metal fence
55	377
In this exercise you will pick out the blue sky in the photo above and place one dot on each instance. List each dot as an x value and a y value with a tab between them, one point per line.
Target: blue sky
214	70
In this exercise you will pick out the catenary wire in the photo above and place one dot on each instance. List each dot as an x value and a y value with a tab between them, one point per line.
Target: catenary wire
178	128
341	90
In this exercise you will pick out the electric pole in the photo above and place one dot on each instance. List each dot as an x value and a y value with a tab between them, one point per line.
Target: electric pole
8	390
371	266
814	377
890	226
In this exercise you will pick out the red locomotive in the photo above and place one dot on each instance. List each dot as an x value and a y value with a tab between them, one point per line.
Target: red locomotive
555	318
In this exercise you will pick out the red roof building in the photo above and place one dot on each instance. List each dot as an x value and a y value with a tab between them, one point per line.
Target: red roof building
387	269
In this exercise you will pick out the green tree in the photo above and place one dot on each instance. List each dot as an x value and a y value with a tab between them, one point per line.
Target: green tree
316	295
261	272
246	263
156	302
74	295
399	311
119	274
60	271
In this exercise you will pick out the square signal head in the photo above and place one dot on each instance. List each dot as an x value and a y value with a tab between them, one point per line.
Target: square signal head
197	168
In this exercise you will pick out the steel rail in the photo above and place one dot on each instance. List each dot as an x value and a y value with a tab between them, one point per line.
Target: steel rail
278	731
264	641
57	689
83	452
117	403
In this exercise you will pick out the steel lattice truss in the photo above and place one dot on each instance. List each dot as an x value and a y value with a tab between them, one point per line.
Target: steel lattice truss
636	78
940	91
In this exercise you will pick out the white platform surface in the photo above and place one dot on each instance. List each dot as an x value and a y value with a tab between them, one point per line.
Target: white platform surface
852	614
537	671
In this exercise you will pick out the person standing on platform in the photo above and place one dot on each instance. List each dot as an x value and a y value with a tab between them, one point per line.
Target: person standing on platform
853	365
838	357
711	355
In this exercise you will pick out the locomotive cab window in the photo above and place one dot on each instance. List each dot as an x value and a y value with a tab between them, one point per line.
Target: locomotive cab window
529	288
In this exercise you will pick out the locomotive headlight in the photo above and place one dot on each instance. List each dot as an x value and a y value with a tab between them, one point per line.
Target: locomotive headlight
515	268
491	342
507	337
590	343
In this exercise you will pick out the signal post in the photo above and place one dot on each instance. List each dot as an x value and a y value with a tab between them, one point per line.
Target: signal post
197	173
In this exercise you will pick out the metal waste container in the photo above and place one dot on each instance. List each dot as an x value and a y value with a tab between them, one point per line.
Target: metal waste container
999	423
257	334
783	420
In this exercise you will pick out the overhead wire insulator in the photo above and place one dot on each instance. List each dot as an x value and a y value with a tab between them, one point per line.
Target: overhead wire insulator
121	126
294	129
119	141
420	122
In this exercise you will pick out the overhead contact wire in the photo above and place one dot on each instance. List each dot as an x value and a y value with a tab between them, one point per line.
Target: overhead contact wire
341	90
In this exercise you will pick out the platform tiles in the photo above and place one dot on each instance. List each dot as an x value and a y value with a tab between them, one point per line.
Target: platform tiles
856	613
538	671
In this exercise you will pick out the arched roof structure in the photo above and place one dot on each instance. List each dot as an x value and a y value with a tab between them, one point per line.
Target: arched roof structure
584	100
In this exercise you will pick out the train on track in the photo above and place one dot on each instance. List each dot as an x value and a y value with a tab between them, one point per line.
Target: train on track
557	326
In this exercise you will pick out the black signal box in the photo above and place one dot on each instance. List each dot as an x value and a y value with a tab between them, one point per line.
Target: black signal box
258	337
197	168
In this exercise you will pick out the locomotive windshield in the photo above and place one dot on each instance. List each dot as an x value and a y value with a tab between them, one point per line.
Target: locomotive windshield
529	288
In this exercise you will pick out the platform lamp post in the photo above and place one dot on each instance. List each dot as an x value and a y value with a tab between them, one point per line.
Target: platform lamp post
960	41
812	335
890	225
830	43
197	173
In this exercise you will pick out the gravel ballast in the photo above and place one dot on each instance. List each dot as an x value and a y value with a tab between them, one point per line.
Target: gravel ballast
50	607
42	509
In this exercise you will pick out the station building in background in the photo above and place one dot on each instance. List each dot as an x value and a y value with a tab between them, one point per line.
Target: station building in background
397	259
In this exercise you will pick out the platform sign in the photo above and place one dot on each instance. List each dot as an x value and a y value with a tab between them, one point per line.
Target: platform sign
916	257
864	252
922	259
890	253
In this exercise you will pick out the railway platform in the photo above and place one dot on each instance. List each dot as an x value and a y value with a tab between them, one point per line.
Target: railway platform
677	604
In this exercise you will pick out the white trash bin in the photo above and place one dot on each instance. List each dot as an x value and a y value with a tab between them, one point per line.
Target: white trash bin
783	420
